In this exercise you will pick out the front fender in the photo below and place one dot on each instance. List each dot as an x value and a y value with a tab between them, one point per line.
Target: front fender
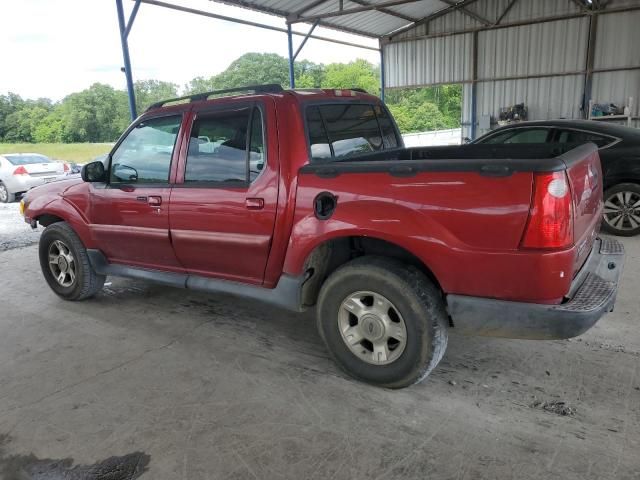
64	209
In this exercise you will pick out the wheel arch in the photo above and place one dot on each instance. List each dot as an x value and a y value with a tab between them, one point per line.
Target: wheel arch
47	219
328	255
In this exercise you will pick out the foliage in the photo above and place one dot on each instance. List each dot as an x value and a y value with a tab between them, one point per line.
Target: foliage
360	74
423	109
100	113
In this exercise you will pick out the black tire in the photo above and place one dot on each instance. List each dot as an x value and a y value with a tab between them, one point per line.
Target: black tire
622	225
86	282
5	195
418	302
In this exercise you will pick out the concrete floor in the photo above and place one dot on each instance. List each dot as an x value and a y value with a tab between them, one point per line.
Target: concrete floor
193	386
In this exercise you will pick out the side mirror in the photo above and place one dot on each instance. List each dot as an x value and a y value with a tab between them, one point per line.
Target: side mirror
125	173
94	172
466	140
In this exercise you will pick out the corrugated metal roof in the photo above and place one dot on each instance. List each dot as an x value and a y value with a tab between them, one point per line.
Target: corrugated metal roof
388	19
372	23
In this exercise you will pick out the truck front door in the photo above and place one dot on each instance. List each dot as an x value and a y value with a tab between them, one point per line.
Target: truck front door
130	214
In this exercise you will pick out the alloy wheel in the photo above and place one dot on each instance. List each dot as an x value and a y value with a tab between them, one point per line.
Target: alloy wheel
62	264
4	193
622	210
372	327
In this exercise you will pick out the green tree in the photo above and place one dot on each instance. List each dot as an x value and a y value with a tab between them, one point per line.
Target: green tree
429	108
97	114
9	104
150	91
356	74
20	125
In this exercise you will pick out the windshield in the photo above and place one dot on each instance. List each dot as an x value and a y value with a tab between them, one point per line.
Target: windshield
27	159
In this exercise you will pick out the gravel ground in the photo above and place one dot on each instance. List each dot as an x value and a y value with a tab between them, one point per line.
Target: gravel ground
13	231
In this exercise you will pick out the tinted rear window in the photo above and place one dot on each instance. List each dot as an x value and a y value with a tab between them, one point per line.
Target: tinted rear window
346	130
27	159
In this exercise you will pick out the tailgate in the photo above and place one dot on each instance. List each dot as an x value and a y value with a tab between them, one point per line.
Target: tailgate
585	178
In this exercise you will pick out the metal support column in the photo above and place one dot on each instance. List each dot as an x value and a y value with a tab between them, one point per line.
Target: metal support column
292	80
588	77
474	88
382	72
124	32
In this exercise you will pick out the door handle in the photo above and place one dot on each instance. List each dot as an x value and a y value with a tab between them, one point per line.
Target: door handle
154	200
254	203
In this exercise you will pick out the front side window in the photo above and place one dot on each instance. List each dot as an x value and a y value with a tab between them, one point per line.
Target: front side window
226	147
519	135
144	156
346	130
578	136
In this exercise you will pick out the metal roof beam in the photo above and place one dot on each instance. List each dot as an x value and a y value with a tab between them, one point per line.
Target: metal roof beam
132	17
468	13
433	16
349	11
506	11
304	40
252	24
581	5
388	11
389	38
311	6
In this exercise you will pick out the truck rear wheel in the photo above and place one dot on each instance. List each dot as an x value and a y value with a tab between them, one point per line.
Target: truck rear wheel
65	264
383	322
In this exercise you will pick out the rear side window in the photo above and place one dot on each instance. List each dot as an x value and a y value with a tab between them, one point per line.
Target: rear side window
346	130
226	147
577	136
520	135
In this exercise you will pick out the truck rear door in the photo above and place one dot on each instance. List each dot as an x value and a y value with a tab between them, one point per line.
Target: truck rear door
223	206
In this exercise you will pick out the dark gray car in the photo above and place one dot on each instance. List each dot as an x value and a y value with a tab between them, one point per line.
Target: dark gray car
619	153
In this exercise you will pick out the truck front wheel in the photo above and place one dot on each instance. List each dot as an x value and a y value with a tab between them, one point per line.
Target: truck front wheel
65	264
383	322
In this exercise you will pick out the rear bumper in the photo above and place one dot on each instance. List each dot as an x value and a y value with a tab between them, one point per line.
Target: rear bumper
593	294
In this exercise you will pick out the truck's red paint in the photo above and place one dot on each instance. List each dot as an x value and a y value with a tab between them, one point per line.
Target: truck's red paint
466	228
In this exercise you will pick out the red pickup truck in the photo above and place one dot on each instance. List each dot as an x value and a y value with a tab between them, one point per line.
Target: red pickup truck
308	198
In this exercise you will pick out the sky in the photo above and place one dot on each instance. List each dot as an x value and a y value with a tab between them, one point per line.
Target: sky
51	48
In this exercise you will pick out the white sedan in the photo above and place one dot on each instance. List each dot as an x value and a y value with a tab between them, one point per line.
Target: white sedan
21	171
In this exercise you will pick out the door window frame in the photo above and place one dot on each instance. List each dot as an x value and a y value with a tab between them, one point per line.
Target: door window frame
174	154
196	113
549	128
356	101
614	140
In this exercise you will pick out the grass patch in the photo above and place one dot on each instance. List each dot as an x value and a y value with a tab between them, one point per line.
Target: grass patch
71	152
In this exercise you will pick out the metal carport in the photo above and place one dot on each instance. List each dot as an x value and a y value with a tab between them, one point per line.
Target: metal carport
555	55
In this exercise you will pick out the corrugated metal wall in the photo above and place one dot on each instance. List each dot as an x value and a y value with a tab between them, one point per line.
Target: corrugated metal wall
558	47
618	38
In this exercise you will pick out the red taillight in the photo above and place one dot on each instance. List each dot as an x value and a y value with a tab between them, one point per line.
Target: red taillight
550	223
66	167
20	171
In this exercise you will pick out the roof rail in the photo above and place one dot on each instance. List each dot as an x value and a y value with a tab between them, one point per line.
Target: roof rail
267	88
